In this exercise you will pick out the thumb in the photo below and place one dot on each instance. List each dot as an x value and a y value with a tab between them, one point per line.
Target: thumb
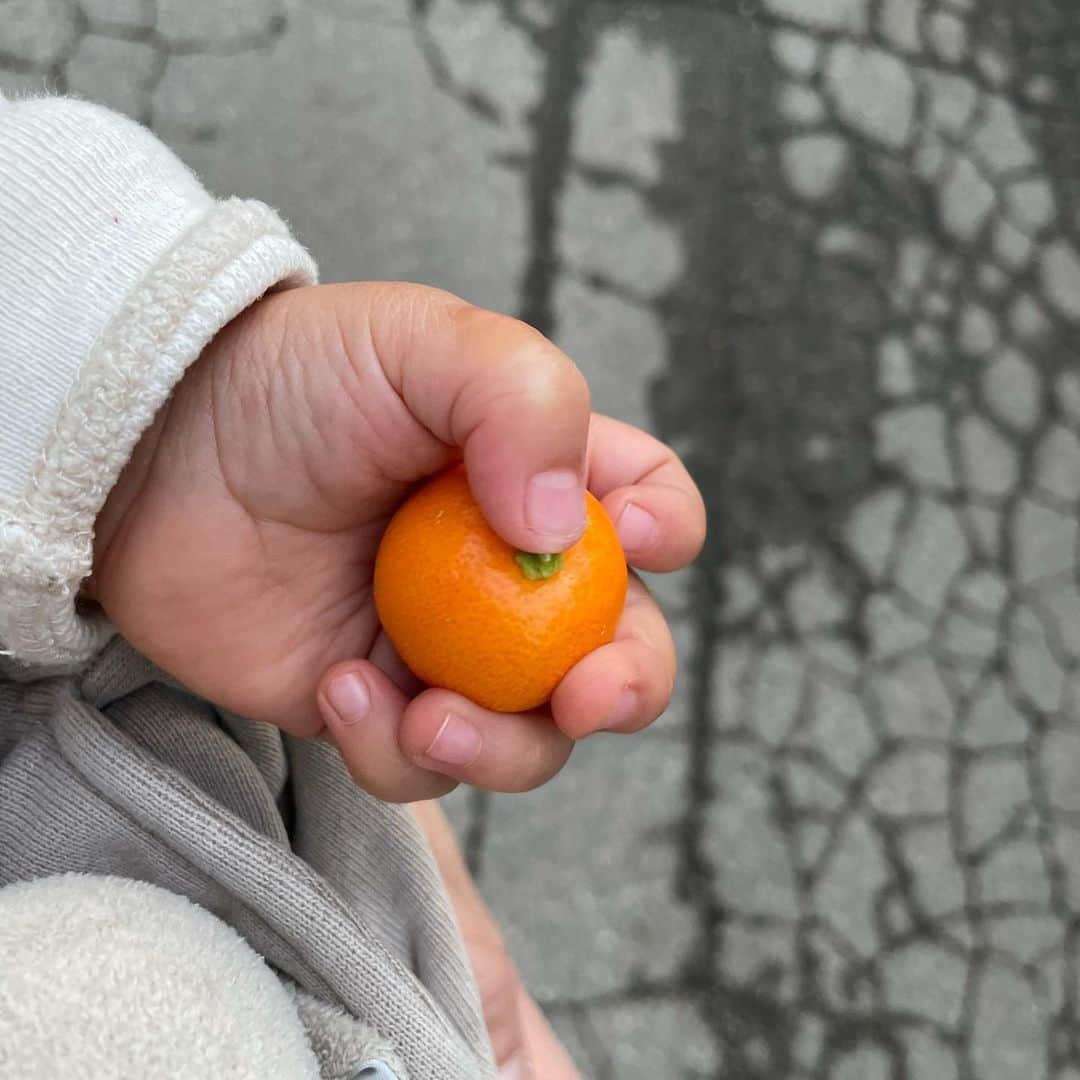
498	390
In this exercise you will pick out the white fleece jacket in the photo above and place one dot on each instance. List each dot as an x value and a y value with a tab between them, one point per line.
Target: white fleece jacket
116	270
104	977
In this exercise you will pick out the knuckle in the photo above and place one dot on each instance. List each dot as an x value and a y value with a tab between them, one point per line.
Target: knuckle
539	762
400	316
539	367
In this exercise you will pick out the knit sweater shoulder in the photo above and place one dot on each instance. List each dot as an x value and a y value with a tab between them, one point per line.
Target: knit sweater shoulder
117	268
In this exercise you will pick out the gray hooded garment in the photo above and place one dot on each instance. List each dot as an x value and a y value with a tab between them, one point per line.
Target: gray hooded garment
119	771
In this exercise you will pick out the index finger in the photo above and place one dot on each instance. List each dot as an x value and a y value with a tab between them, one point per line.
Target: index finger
656	506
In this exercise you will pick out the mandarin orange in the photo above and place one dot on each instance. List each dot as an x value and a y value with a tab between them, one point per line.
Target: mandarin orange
468	613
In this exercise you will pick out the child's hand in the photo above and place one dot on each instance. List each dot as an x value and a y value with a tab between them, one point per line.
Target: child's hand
237	550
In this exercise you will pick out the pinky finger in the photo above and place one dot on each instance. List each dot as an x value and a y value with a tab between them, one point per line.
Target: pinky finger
363	710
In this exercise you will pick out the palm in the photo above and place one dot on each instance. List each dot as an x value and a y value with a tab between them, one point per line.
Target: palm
257	539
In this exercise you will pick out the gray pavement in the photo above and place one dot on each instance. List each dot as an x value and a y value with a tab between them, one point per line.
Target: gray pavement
829	249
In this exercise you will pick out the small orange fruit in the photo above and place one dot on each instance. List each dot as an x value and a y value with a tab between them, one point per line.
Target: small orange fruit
468	613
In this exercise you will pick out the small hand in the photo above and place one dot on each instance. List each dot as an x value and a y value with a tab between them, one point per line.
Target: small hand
236	551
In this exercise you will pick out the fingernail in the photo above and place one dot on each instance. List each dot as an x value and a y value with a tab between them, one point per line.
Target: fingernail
457	742
348	698
555	505
637	528
625	710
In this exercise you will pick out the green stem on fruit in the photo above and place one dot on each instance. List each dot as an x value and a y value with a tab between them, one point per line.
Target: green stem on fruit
538	567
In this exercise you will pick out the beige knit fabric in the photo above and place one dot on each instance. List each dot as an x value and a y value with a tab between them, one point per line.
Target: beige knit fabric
119	772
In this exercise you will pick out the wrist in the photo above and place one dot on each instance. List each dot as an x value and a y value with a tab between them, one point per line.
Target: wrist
121	500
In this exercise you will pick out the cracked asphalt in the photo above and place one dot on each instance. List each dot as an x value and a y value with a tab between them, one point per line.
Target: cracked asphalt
828	248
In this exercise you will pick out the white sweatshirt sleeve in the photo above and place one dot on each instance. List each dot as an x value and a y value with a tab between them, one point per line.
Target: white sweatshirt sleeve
116	270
